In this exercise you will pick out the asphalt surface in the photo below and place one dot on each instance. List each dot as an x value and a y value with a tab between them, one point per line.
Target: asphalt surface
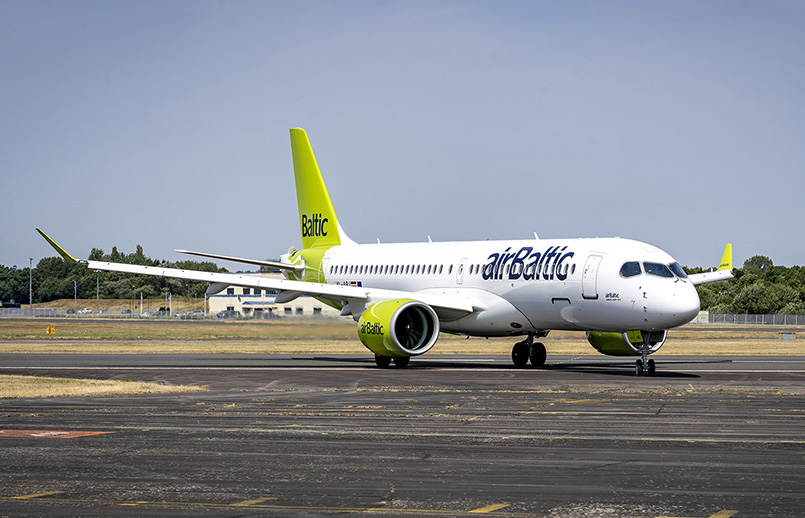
449	436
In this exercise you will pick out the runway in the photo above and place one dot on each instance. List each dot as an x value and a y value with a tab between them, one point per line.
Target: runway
304	435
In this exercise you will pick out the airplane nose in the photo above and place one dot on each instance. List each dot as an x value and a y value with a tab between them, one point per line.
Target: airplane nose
686	304
673	307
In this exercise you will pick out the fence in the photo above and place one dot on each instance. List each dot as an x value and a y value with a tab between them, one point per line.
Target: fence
771	319
154	315
60	313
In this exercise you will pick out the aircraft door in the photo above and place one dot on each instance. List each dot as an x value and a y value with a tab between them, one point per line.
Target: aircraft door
460	271
589	278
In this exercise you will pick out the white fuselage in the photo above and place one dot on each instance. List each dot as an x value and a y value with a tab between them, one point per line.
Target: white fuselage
528	286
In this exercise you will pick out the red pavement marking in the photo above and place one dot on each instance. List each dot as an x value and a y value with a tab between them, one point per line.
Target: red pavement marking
47	434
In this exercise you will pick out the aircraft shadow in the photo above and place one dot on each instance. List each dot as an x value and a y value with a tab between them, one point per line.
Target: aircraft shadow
609	369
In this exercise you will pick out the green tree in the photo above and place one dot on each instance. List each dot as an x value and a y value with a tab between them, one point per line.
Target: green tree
758	262
763	298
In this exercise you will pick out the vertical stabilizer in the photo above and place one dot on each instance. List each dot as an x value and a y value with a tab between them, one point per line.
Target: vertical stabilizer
317	218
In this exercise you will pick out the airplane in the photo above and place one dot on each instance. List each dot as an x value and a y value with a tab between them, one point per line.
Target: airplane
624	294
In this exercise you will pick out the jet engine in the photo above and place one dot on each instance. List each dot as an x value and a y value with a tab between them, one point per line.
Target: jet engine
398	328
626	344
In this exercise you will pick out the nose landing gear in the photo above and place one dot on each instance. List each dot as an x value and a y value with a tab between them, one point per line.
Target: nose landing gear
527	350
644	366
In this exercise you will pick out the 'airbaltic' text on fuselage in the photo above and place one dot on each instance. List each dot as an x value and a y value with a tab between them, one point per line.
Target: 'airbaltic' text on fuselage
528	265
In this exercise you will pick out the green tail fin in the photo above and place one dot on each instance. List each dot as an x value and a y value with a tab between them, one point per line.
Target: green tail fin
317	219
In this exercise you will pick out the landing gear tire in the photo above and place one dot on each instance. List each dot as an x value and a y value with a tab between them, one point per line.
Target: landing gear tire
648	370
537	355
401	361
382	361
520	354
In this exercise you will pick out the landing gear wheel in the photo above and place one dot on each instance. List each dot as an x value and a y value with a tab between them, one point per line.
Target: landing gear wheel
520	354
651	367
401	361
537	355
638	368
382	361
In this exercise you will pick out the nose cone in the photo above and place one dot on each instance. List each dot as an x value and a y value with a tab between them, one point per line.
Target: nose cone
683	304
671	305
690	304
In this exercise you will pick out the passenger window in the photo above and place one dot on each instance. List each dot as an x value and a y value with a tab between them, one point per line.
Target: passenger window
630	269
660	270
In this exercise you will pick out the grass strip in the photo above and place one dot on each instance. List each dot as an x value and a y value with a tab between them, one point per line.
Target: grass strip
13	386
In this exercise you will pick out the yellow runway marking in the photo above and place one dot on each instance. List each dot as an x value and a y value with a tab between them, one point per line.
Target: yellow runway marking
36	495
292	508
720	514
489	508
247	503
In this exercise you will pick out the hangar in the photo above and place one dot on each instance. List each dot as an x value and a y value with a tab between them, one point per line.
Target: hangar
261	303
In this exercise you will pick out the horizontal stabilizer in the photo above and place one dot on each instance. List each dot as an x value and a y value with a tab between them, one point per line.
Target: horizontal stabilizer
256	262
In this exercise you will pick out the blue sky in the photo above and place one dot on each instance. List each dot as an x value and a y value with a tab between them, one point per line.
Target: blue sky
165	124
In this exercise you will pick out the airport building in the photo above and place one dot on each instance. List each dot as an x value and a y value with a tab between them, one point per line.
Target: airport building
261	303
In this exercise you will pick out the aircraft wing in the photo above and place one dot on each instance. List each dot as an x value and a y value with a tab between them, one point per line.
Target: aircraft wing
723	272
355	296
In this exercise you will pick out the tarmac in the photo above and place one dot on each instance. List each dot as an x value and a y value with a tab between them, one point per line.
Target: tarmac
305	435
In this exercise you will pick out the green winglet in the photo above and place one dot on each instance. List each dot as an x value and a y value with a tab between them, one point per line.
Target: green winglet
67	257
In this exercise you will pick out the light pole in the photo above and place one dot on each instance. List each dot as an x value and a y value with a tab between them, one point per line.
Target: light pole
75	296
30	283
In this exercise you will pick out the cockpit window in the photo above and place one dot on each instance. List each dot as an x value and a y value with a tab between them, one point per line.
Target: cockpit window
630	269
657	269
678	271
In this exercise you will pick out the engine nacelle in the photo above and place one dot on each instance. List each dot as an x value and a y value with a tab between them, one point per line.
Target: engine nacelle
401	327
625	344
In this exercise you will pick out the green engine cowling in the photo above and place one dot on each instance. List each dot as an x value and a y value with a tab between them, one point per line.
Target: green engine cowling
396	328
625	344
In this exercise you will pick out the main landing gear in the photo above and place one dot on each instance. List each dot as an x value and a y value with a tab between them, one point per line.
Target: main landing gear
527	350
399	362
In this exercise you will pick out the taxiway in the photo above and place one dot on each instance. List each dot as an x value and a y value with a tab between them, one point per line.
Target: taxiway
450	436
